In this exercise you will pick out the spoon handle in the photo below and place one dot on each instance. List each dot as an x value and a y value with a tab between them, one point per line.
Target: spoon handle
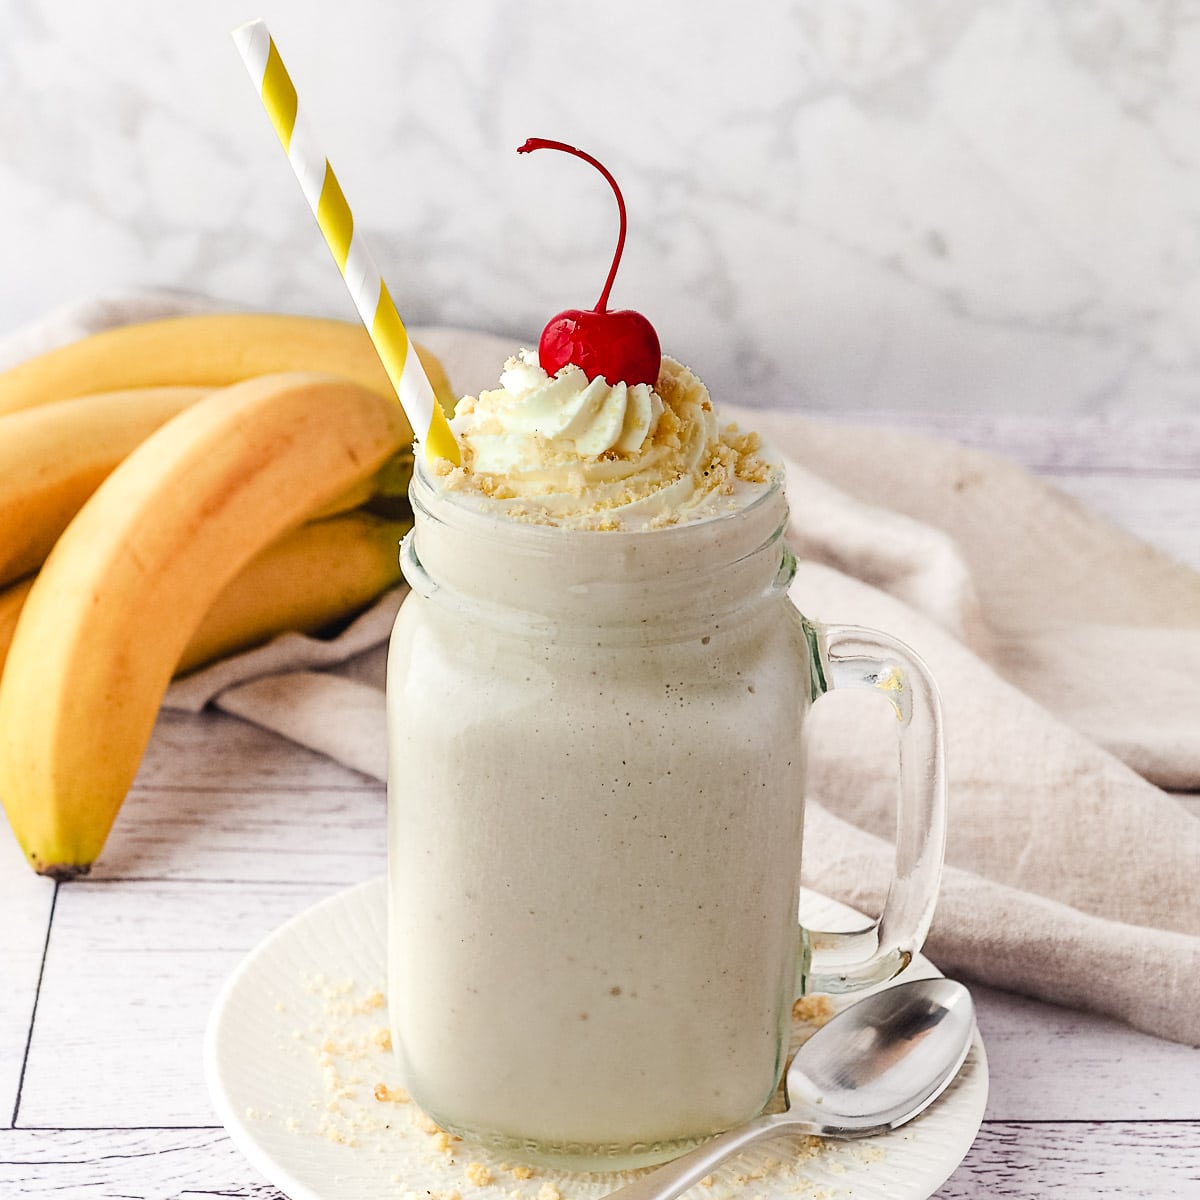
676	1176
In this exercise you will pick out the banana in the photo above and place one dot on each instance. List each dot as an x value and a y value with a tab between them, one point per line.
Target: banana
210	350
53	457
129	581
322	572
319	573
12	600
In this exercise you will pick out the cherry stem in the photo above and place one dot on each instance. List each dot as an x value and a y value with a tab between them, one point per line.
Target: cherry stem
545	144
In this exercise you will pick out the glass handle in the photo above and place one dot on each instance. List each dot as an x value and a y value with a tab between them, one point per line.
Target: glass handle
845	657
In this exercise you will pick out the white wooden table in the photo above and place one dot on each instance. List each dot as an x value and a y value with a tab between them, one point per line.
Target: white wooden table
106	983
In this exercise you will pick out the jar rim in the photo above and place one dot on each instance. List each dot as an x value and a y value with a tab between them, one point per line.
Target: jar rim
613	584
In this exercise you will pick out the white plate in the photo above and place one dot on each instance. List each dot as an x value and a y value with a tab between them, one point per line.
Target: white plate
297	1043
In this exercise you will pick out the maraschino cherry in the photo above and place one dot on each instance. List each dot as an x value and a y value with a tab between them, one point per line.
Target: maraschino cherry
620	346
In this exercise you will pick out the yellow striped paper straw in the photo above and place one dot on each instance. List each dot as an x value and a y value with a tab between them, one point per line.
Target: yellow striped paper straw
324	195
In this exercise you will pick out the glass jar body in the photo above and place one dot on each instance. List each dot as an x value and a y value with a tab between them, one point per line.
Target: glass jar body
594	839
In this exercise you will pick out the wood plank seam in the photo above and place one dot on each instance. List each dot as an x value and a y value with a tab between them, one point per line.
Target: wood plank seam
37	992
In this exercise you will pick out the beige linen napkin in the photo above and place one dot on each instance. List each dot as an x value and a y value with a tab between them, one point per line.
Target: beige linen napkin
1066	652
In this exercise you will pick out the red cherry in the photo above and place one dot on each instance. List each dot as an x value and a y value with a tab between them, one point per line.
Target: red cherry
620	346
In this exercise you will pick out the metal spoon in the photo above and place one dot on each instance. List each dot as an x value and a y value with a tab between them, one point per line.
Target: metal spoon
876	1065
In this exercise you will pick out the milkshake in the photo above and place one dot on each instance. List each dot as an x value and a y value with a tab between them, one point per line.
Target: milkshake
595	714
596	698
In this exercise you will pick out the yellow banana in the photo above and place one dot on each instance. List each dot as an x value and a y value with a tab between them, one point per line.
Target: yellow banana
319	573
209	350
122	592
53	457
12	600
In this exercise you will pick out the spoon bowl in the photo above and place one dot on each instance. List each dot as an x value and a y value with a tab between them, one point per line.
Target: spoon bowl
881	1061
876	1065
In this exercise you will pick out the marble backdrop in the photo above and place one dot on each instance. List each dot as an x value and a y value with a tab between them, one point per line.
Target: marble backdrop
971	205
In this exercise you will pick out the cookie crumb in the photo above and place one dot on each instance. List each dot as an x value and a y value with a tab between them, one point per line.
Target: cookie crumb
478	1174
813	1010
372	1000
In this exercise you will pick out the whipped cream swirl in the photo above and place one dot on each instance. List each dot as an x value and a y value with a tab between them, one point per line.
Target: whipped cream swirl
564	450
533	419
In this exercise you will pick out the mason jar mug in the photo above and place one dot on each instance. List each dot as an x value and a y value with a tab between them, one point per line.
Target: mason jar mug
596	812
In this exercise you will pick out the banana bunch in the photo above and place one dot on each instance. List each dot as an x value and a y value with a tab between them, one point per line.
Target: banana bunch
171	492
